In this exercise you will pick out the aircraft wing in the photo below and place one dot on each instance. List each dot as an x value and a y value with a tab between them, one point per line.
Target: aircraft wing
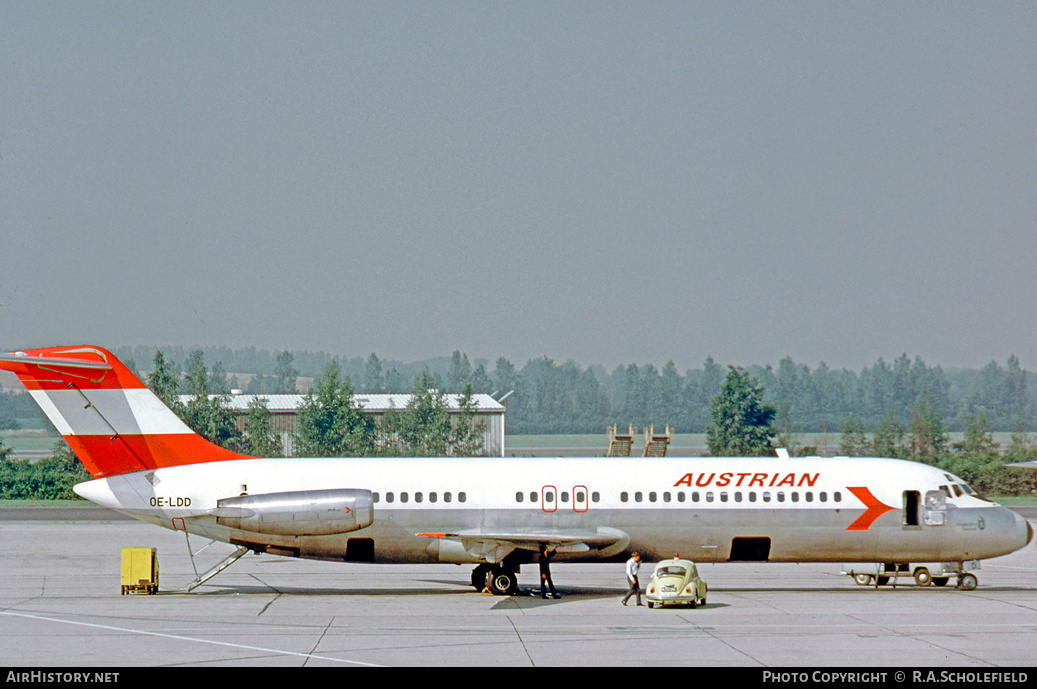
494	544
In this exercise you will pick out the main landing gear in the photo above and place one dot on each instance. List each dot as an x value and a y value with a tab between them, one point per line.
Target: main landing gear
497	579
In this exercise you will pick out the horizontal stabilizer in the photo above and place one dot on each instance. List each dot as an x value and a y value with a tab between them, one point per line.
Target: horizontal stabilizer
25	364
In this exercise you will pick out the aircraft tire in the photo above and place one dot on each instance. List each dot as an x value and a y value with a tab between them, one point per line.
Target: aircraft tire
479	576
922	577
501	582
940	581
968	582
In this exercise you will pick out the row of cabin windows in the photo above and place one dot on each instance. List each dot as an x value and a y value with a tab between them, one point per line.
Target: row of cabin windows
580	497
563	496
794	496
681	496
420	497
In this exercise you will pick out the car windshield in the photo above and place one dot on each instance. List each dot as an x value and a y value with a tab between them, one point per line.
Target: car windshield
671	571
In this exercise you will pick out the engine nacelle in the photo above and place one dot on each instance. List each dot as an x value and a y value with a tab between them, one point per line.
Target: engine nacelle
298	513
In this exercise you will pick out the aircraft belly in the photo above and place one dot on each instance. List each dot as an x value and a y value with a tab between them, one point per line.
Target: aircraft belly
706	535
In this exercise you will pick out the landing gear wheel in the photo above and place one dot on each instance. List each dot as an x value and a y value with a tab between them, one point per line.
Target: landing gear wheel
479	576
922	577
968	582
502	582
940	581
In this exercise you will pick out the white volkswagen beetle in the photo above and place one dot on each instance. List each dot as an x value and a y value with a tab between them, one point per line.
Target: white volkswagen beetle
676	582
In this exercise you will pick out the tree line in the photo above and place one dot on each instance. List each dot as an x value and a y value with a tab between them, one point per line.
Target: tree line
743	424
329	422
741	419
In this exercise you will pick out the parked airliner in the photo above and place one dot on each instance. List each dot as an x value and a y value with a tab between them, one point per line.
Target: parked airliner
495	512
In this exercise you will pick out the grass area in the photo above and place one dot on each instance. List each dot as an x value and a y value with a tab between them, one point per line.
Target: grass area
29	441
45	503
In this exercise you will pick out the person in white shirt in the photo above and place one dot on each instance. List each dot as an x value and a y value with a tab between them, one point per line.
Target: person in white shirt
633	564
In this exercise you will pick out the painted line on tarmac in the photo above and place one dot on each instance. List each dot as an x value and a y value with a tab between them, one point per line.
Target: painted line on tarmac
188	638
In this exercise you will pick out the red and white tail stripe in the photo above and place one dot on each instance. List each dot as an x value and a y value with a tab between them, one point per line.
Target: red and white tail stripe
112	421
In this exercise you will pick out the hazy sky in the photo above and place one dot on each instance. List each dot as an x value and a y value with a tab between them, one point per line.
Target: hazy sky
605	182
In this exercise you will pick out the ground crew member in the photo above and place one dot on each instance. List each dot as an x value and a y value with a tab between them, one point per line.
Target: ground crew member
633	564
545	572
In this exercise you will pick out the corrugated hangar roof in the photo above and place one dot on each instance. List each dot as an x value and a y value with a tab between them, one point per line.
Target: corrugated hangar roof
484	404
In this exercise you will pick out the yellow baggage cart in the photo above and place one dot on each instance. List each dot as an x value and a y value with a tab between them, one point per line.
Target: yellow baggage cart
139	570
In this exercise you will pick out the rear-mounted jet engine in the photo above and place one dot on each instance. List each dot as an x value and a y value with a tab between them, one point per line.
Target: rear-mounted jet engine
300	513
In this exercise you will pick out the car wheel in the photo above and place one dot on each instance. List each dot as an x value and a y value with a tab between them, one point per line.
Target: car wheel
940	581
967	582
862	579
922	577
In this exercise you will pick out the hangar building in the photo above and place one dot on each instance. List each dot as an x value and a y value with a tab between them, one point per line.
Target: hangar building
283	409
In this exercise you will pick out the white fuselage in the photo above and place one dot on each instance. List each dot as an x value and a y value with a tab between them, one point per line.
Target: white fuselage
705	509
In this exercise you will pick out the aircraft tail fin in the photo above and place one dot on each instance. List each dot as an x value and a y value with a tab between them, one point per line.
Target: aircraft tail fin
112	421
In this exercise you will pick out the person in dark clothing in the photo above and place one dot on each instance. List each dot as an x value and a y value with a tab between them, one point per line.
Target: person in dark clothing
544	561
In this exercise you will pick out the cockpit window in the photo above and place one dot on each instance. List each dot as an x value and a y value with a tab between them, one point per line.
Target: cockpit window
958	492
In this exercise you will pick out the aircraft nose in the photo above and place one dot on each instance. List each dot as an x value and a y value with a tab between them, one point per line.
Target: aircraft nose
1029	533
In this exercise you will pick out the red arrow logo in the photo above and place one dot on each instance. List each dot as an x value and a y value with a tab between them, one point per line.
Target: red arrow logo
875	509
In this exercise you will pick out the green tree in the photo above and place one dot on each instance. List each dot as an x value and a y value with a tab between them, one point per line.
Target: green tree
285	373
424	425
460	372
741	422
373	375
207	415
854	441
927	439
330	423
978	437
163	380
888	439
468	434
259	440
